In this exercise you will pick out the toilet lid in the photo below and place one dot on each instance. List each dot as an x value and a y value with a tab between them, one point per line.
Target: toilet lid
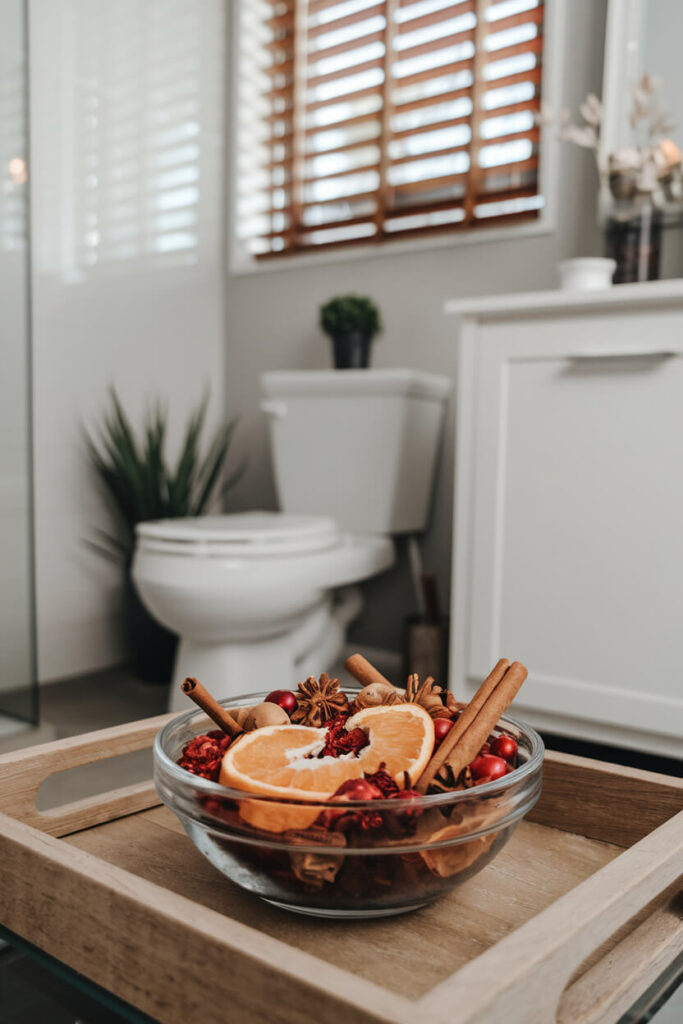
244	534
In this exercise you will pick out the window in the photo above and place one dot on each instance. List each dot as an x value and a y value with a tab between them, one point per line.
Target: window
139	127
366	120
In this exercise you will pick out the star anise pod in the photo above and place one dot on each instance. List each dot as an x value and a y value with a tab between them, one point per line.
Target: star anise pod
436	701
318	700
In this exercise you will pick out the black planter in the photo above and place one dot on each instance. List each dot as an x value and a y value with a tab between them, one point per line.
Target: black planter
351	351
152	647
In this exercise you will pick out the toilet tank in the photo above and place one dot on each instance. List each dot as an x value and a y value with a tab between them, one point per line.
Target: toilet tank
358	445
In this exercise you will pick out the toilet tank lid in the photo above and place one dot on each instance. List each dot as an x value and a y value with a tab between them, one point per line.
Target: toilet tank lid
393	382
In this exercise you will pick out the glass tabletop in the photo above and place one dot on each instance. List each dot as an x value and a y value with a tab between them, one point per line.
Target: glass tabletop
36	987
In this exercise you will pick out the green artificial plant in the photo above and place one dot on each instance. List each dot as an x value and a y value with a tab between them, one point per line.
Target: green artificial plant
350	314
140	483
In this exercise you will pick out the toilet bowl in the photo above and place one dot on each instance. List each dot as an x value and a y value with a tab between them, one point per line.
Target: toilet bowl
252	595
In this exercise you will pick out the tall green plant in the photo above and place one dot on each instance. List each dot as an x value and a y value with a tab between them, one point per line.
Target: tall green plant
138	480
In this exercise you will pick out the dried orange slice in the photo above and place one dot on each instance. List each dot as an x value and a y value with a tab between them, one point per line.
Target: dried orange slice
401	736
277	761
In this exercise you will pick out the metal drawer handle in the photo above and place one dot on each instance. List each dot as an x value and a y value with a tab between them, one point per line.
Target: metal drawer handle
633	353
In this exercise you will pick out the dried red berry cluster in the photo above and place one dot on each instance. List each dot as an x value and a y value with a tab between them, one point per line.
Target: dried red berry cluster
384	782
338	741
377	785
203	755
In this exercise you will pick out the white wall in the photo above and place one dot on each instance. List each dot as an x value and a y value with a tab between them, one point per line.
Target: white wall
271	319
126	134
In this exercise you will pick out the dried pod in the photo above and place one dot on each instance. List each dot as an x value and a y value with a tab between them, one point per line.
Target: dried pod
374	694
450	702
265	714
240	715
428	695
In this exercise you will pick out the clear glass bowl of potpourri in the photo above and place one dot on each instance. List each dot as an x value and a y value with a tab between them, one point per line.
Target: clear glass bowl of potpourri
347	856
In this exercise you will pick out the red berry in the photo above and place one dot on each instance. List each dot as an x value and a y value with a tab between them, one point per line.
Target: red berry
357	789
442	726
284	699
506	747
488	765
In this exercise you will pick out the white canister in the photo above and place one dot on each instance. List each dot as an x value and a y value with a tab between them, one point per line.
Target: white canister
586	273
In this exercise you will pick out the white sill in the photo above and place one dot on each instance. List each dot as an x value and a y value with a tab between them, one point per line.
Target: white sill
543	225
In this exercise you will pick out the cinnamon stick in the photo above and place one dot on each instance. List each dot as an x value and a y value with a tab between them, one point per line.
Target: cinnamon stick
361	669
498	690
469	713
210	706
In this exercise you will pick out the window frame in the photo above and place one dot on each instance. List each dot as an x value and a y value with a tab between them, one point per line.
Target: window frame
241	263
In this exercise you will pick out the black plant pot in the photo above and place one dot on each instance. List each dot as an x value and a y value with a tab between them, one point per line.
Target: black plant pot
152	646
351	351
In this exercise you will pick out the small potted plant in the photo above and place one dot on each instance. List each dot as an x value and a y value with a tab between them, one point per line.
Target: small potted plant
135	476
351	321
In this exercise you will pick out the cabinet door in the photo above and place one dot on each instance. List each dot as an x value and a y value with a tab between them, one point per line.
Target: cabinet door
569	521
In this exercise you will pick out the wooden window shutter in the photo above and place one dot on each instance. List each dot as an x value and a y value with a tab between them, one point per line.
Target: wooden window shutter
365	120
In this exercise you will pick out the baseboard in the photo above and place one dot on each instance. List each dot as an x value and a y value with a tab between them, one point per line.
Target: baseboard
27	735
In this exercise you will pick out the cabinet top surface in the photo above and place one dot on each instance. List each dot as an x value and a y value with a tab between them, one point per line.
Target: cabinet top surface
528	304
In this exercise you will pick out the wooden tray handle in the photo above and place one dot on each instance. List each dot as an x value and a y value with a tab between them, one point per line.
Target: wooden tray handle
529	974
22	773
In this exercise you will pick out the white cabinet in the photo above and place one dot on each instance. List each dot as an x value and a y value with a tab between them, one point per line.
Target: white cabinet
568	528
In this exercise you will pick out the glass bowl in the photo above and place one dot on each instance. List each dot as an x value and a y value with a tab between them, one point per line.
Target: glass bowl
385	857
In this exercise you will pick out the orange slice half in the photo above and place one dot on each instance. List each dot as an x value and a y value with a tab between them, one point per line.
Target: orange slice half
276	761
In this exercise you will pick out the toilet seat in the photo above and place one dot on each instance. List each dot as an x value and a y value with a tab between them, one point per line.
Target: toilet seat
248	535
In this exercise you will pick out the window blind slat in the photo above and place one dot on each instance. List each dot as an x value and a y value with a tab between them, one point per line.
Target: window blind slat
420	77
430	101
431	126
366	120
531	46
441	43
346	20
436	17
348	46
371	90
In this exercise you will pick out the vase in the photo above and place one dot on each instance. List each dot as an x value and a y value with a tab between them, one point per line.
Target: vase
152	646
633	239
351	350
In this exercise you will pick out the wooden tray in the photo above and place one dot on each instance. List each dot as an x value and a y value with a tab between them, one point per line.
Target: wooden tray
573	920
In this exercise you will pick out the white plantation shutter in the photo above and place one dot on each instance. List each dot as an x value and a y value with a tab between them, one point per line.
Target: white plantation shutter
362	120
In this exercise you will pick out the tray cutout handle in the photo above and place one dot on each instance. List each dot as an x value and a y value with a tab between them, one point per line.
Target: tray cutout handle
528	975
608	988
22	773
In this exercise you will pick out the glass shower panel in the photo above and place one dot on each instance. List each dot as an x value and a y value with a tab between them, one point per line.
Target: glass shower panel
18	689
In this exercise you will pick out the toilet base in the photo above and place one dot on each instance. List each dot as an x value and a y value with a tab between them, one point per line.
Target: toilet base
230	669
276	663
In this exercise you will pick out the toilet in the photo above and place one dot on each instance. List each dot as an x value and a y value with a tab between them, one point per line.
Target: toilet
262	599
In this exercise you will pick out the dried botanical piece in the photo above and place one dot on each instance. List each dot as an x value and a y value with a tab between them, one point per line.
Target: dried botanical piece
318	700
652	169
210	706
451	860
314	869
264	714
433	698
445	782
376	694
